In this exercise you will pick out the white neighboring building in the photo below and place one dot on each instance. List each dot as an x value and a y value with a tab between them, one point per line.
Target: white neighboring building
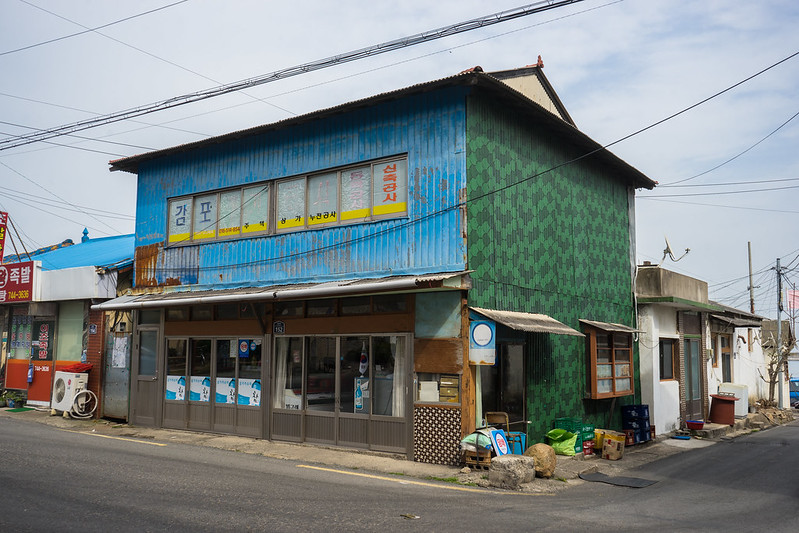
688	346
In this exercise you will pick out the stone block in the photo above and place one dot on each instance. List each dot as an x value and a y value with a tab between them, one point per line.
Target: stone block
511	471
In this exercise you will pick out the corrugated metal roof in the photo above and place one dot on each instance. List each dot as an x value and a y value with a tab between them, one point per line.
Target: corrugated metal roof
104	252
528	321
610	326
480	80
738	322
288	292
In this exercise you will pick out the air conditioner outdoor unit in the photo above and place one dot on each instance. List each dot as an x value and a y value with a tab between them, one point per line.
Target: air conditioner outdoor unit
65	387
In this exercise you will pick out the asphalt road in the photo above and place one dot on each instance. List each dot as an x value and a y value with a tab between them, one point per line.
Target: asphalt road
57	480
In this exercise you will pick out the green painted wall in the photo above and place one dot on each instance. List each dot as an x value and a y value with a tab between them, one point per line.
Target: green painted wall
557	244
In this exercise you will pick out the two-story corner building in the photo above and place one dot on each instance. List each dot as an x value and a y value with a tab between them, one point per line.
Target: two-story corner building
326	278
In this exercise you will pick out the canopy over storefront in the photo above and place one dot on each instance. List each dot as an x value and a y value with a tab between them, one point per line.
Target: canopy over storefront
443	281
528	321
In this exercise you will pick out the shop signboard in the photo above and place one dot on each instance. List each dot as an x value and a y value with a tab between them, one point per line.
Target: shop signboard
42	345
482	342
3	222
500	442
16	282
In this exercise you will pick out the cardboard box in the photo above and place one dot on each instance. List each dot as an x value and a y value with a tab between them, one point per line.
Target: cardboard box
613	445
449	381
448	391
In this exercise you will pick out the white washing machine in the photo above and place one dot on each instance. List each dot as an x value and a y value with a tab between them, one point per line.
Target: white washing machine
65	387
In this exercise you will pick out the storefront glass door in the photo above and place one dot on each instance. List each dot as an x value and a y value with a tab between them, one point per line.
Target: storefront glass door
341	390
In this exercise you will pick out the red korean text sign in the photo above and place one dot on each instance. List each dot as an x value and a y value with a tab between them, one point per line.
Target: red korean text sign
16	282
3	223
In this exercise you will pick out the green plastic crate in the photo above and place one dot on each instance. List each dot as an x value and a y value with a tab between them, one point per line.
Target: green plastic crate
572	425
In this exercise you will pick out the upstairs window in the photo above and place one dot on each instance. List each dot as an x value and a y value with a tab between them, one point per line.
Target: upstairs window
363	193
610	362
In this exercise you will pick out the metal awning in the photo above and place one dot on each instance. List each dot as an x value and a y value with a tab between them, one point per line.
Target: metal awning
441	281
610	326
738	322
528	321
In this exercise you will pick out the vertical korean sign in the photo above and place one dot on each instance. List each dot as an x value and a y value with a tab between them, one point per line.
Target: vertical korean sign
16	282
390	188
3	222
42	349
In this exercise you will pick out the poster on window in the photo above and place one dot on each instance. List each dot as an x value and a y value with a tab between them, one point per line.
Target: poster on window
250	392
42	348
200	390
205	215
322	199
225	390
390	188
255	209
176	388
230	213
356	190
179	220
291	204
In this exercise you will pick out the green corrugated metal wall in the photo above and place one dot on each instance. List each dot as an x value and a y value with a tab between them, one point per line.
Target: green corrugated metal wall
557	244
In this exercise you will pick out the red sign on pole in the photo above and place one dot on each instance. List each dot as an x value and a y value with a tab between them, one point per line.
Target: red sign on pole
16	282
3	222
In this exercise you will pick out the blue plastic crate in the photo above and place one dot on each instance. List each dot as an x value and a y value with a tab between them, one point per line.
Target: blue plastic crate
635	411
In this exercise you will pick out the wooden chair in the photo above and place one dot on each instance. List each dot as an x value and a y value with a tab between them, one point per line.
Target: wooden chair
499	419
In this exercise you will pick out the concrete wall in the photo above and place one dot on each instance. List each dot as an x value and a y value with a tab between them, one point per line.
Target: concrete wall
748	364
663	397
653	281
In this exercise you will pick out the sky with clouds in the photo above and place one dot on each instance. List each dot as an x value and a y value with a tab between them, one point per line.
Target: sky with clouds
618	67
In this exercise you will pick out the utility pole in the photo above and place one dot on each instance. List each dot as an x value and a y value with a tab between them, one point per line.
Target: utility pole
751	283
779	330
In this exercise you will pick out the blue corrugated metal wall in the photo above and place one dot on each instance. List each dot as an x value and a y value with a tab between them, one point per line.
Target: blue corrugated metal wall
428	127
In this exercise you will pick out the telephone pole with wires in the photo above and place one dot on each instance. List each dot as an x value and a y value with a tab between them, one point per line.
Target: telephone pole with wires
779	332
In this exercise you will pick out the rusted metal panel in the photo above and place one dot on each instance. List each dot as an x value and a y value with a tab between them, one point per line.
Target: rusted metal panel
429	128
439	356
156	266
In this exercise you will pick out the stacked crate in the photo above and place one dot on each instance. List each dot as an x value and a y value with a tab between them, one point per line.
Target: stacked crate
635	421
572	425
588	439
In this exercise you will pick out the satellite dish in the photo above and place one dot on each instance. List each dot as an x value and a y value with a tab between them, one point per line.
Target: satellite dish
668	252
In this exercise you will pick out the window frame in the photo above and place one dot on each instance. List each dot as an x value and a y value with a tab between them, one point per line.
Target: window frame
592	349
381	176
674	342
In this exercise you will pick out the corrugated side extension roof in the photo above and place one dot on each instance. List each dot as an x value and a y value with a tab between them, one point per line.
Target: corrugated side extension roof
533	322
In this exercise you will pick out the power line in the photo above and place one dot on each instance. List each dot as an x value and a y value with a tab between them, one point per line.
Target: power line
78	209
495	191
746	208
88	30
720	193
99	140
732	183
735	156
54	194
75	147
332	61
164	125
159	58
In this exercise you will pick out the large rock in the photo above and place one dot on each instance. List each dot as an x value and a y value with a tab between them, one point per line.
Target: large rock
545	459
511	471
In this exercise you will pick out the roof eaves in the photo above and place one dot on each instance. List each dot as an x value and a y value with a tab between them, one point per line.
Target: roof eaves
466	78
